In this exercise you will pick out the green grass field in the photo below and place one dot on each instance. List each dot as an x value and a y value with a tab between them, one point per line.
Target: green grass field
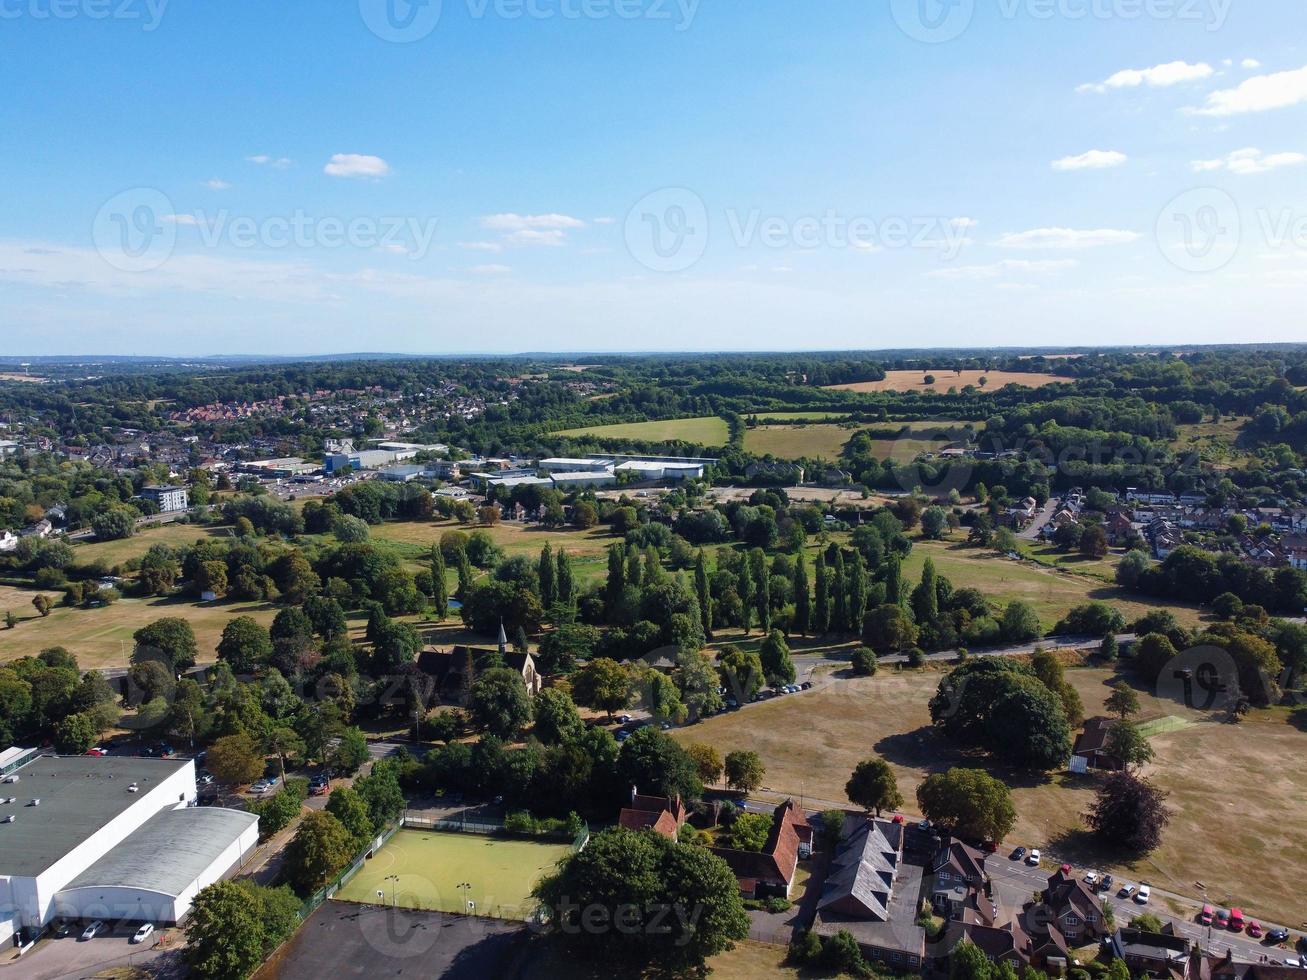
799	416
430	865
795	441
706	431
173	535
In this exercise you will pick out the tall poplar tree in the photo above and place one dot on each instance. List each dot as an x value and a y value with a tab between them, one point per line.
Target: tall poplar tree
821	606
546	570
857	588
439	588
802	601
704	594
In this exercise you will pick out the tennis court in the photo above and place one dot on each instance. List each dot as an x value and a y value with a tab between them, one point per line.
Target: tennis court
435	871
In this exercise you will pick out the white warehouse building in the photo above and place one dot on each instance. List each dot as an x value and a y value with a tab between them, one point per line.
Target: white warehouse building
87	837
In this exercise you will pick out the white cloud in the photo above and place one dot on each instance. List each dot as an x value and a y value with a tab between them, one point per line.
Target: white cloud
263	160
1003	268
1092	160
481	246
182	219
1066	238
490	270
217	185
1249	161
532	238
1159	76
530	222
605	221
1252	64
356	165
1258	94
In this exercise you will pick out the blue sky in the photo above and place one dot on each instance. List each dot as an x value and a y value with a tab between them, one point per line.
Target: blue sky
294	177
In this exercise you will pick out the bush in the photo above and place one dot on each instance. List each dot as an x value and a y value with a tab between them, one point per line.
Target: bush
916	658
864	662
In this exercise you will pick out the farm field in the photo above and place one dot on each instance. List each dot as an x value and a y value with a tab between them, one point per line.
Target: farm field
1051	593
1228	796
944	380
430	865
708	430
794	441
798	416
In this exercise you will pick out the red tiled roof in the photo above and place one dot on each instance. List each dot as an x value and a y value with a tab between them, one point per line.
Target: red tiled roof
779	857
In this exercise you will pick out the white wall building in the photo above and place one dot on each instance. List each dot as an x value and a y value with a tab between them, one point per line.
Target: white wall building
106	837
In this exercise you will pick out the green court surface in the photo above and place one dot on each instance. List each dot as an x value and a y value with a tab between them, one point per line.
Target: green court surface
431	865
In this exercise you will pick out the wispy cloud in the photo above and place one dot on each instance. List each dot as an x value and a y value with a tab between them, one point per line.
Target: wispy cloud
1159	76
215	184
1092	160
1260	93
491	270
277	163
356	165
1066	238
1249	161
532	230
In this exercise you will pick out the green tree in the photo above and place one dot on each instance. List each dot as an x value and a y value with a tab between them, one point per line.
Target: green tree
1020	622
774	654
169	640
233	924
603	684
969	803
629	874
742	673
856	583
802	600
821	601
657	764
500	703
697	679
707	762
319	849
744	770
75	734
351	751
925	597
556	717
864	662
439	586
749	832
236	759
890	629
565	580
1123	701
873	786
1129	813
347	806
1127	743
703	593
546	571
934	522
245	645
283	741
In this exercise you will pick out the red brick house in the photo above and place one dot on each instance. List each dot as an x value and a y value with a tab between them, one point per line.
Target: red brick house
662	814
770	872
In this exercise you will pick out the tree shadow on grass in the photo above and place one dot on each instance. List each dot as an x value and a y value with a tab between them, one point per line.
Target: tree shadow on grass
1298	719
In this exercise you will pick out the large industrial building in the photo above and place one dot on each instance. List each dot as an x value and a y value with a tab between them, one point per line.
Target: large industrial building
87	837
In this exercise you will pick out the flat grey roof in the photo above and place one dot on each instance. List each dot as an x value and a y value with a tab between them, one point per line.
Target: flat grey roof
79	795
169	851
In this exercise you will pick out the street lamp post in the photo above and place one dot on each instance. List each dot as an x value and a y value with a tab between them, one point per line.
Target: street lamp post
394	880
466	888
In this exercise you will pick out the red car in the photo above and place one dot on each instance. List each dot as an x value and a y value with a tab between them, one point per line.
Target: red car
96	750
1236	920
1222	919
1254	930
1205	916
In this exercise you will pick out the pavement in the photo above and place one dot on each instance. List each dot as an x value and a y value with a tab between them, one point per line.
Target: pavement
56	959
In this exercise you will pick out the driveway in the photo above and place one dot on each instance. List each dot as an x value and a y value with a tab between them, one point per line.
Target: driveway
1045	515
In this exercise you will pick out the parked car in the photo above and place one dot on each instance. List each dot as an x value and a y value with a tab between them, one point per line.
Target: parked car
319	785
622	736
1294	962
1236	920
806	686
1126	891
624	719
1254	929
1091	879
93	929
1222	920
1105	884
143	933
1018	854
1032	858
204	777
265	784
1144	894
96	750
1205	915
1277	935
989	846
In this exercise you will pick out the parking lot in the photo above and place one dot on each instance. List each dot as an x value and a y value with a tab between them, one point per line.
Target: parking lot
72	957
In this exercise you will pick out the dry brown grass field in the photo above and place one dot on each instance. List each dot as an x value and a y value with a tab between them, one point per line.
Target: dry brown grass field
1231	788
944	380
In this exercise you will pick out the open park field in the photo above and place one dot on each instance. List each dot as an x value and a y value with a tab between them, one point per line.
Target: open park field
1052	593
1230	787
113	553
706	431
431	865
103	637
944	380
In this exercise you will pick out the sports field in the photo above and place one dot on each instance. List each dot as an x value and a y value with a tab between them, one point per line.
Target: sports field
706	431
431	865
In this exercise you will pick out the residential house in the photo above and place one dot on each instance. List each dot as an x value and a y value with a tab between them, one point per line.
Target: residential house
770	872
958	870
662	814
8	541
41	529
170	499
453	671
1076	910
1161	954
